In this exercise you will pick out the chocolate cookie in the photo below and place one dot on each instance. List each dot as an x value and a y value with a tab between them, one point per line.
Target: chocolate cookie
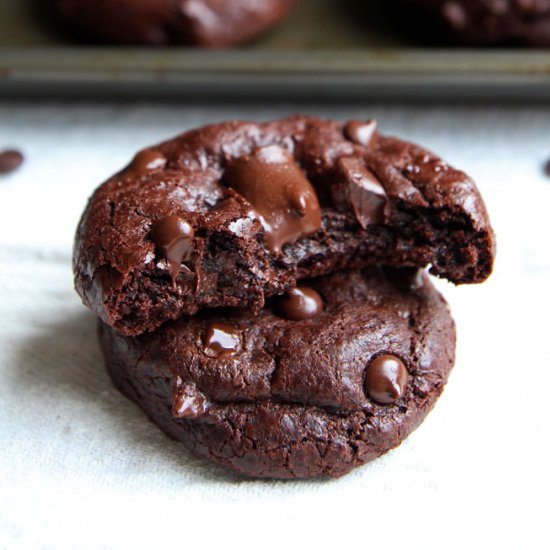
229	214
487	21
321	381
209	23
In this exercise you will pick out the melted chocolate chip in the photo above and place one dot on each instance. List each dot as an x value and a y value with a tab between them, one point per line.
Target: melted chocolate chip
299	304
361	133
386	379
173	238
221	340
282	198
10	160
147	161
407	278
188	401
366	194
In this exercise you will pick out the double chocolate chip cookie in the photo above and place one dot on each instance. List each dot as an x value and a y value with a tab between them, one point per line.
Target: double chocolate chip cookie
322	380
236	272
486	21
207	23
230	214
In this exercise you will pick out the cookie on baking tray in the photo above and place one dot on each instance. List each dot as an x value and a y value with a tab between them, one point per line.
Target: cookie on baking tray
206	23
485	21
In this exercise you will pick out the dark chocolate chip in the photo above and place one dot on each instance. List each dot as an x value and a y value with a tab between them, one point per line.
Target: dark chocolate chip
188	401
365	192
407	278
147	161
221	340
361	133
173	238
386	379
282	198
299	304
10	160
547	168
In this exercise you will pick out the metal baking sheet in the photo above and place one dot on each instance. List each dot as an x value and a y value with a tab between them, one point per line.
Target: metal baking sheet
327	49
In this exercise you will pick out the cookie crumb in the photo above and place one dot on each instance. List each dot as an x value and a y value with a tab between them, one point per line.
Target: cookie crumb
10	160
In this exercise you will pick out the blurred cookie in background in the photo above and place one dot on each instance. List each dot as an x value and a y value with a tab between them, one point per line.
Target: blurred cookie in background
205	23
482	22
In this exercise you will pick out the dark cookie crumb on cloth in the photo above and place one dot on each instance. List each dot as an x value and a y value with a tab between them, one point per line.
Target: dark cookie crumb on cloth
10	160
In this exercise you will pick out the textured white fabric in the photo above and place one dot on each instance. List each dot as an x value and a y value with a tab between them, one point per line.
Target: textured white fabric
82	467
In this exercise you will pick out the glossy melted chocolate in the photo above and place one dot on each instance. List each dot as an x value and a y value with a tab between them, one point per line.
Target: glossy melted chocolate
299	304
173	238
386	379
282	198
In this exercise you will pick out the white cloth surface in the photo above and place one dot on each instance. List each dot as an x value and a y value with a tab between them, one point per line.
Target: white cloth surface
82	467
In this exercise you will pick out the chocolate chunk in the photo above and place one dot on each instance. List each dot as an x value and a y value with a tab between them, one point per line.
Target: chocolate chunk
221	340
282	198
299	304
10	160
188	401
147	161
173	238
365	193
386	379
361	133
407	278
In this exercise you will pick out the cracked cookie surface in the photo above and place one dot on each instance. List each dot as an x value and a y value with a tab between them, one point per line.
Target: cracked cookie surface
231	214
268	396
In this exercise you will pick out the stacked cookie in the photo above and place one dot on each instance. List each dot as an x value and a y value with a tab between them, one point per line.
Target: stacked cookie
260	288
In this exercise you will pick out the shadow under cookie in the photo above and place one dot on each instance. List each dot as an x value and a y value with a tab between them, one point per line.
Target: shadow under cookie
61	371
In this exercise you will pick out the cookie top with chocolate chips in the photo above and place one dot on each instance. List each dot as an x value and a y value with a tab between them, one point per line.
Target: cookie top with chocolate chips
340	342
207	23
230	214
322	380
